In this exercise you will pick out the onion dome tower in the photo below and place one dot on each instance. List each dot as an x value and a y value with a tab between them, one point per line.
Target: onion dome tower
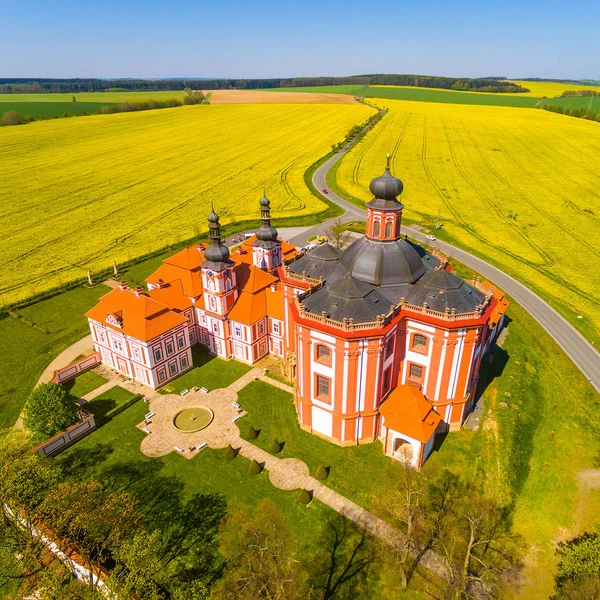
218	274
384	212
382	257
266	250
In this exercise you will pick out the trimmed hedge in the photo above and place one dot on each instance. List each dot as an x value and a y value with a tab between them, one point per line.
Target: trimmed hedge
252	434
304	496
322	472
255	467
275	446
119	409
230	452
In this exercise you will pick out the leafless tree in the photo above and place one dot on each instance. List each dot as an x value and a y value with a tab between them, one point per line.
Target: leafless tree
336	235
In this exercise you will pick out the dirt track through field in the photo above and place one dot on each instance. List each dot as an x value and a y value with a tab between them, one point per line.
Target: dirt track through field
260	97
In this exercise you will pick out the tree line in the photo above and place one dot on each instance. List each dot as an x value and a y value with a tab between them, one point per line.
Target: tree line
580	113
32	86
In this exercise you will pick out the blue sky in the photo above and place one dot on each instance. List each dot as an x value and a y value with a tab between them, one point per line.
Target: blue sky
75	38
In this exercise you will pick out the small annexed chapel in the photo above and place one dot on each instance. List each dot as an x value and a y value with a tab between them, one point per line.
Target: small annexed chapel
382	340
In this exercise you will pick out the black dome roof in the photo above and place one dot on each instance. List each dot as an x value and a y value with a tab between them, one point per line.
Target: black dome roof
217	253
382	263
386	187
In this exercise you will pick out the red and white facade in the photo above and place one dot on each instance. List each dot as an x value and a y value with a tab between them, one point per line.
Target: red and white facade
400	379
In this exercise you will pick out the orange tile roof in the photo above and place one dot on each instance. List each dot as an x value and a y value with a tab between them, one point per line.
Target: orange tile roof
142	317
190	280
275	302
252	279
408	412
172	295
189	258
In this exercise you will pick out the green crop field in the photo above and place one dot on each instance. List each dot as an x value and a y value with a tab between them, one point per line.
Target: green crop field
517	187
586	102
102	97
39	110
447	96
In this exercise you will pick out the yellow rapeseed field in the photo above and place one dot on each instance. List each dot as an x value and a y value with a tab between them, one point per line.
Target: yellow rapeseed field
550	89
518	186
80	193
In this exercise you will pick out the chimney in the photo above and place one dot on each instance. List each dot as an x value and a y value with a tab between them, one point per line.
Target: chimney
138	291
122	285
160	283
273	288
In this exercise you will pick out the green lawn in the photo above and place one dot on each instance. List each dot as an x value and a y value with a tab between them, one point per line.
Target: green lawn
84	384
526	455
209	372
103	405
33	337
38	110
272	411
112	455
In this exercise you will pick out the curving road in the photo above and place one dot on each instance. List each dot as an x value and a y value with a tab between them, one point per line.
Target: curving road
576	347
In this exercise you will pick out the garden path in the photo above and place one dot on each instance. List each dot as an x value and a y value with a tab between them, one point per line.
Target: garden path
284	473
83	347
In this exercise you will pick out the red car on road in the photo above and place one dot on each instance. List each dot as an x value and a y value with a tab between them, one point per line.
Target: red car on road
325	191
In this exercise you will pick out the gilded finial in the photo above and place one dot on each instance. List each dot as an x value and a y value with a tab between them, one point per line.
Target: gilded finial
388	156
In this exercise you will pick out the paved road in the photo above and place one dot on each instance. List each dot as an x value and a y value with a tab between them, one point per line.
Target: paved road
577	348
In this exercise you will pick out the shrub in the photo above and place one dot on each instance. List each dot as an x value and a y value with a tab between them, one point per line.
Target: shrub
50	409
252	433
275	446
230	452
304	496
28	119
255	467
11	117
322	473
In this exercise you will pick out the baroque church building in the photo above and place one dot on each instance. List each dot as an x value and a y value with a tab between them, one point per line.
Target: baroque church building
382	340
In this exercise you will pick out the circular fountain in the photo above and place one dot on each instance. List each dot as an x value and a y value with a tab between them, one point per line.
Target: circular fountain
193	419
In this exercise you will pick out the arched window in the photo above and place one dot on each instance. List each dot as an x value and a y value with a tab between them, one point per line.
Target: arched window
376	228
323	354
397	232
211	285
227	285
388	229
212	303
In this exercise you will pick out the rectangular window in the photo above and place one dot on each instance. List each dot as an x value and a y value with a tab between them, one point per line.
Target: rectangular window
323	384
117	345
323	354
261	327
276	327
158	355
170	348
173	368
162	375
136	353
237	331
184	362
416	372
389	347
101	336
181	342
262	348
192	337
419	342
215	327
387	380
203	319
